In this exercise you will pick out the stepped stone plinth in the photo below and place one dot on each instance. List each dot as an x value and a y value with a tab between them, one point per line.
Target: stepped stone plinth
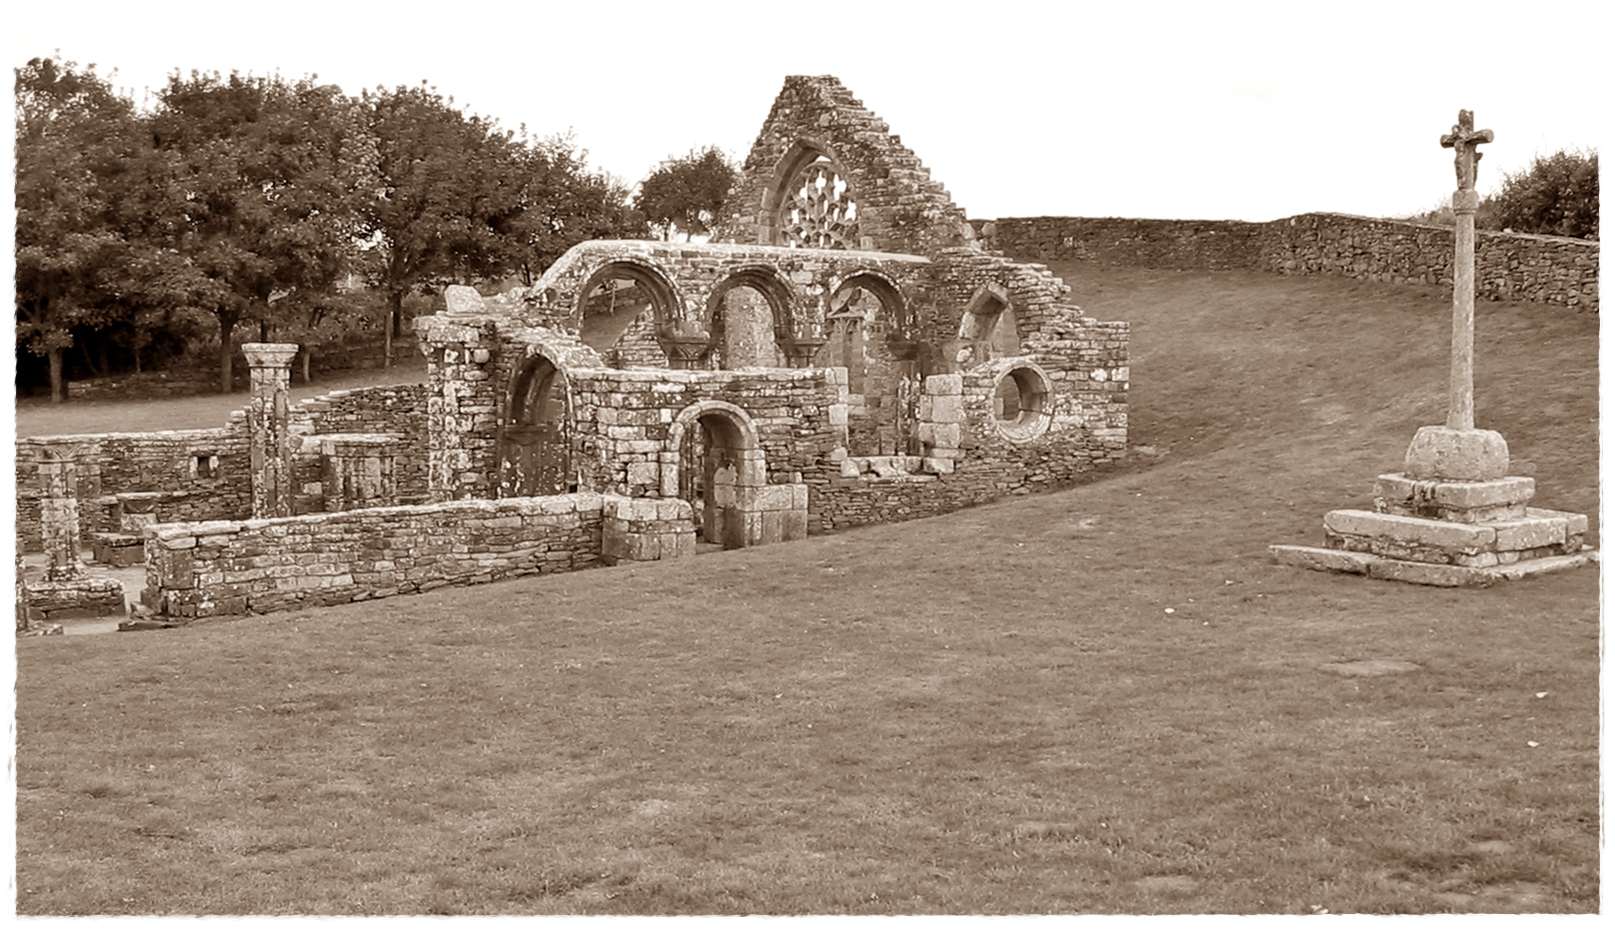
1454	516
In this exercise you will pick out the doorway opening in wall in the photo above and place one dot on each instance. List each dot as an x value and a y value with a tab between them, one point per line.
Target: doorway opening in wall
711	458
534	443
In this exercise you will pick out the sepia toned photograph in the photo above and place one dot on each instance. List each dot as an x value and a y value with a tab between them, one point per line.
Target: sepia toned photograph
847	460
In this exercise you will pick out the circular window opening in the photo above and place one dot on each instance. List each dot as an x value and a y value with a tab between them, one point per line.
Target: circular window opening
1018	400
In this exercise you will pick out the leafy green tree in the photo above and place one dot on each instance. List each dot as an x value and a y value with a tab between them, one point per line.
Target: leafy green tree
1556	196
80	159
562	203
685	194
448	187
265	178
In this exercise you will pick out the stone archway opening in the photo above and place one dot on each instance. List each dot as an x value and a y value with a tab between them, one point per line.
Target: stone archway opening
751	314
871	335
534	441
988	329
621	305
720	472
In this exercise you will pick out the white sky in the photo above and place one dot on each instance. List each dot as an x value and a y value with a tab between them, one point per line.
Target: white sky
1198	111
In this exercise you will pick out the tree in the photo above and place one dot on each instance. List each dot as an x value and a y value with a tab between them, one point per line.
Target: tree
685	194
265	178
80	159
447	186
562	203
1556	196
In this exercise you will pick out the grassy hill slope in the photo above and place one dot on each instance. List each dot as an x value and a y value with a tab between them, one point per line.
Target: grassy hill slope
1103	700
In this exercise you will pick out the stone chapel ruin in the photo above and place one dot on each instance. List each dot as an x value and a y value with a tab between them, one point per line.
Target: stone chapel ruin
845	352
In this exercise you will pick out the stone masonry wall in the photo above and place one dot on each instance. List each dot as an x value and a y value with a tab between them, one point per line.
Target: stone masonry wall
623	420
222	568
204	474
1541	269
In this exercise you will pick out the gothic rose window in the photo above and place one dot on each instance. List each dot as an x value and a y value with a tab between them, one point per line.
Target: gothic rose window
818	210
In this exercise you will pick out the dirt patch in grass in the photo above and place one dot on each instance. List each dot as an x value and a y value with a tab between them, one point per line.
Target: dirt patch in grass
987	712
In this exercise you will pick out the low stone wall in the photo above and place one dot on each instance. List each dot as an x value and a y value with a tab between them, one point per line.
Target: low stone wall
1513	266
197	475
200	475
255	566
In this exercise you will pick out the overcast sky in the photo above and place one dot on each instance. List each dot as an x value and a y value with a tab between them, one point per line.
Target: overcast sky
1203	111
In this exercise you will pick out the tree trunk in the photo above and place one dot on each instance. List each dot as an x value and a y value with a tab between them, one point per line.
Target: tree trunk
227	324
395	309
306	356
58	387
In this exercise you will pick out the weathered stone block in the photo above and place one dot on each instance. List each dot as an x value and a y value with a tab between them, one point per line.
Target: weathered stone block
1329	560
1444	576
1530	533
1457	537
1440	452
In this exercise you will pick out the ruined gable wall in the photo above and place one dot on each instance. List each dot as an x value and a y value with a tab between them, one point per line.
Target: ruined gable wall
900	207
1513	266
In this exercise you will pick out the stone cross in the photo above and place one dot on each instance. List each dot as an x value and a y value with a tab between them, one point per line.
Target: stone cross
1463	139
1461	389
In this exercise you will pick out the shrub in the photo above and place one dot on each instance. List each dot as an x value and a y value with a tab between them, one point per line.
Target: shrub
1556	196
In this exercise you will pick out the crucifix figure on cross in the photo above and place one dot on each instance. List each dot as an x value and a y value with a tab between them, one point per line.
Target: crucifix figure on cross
1464	138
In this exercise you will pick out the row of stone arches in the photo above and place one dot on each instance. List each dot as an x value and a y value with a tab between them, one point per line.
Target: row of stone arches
629	311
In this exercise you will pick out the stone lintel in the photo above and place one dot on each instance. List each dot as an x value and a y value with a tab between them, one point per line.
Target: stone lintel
1442	452
1418	531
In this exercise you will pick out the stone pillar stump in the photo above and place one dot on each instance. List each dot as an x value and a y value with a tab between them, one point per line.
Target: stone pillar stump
268	425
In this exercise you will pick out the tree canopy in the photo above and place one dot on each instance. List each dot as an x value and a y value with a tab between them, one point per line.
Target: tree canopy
1556	196
243	200
685	194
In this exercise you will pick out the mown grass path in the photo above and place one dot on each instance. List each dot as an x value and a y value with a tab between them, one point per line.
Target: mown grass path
1103	700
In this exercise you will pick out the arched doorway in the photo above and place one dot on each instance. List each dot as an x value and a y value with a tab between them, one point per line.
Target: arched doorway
720	468
535	452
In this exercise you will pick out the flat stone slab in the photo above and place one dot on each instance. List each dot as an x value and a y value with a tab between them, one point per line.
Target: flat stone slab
1444	576
1323	560
1434	534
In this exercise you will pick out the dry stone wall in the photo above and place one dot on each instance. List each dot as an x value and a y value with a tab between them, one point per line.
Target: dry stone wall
1513	266
223	568
197	475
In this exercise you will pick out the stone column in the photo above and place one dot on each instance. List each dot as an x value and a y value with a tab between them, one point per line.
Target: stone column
1461	387
268	426
59	513
1458	451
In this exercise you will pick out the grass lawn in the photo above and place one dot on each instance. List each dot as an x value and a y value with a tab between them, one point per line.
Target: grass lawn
1103	700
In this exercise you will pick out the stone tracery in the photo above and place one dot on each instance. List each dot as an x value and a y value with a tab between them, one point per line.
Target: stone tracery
818	209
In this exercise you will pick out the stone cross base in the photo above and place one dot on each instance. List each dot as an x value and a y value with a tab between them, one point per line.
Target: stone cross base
1446	532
